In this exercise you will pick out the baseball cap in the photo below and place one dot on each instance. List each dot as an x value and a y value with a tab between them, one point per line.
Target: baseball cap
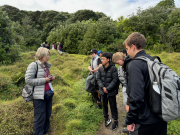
93	51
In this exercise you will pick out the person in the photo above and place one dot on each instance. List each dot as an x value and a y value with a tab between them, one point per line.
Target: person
44	44
53	46
58	46
99	53
43	90
107	79
138	84
121	59
61	46
93	67
47	46
124	52
118	58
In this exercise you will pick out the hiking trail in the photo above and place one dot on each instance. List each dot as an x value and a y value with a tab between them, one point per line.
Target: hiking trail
121	117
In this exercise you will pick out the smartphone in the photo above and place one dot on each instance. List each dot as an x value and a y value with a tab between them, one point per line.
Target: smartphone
50	76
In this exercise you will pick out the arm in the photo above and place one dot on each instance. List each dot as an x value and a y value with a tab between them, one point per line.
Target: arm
89	68
97	68
98	78
99	63
136	93
120	74
30	76
114	81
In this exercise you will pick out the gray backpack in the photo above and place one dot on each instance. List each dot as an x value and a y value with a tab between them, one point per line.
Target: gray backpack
164	93
90	83
27	94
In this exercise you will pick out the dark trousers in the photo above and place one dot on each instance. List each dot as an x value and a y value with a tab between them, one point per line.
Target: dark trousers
159	128
42	113
113	106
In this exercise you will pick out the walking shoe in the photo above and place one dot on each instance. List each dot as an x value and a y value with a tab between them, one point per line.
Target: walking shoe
115	125
124	124
125	130
99	106
107	121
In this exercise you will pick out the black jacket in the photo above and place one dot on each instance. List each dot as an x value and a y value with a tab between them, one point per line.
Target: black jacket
138	83
108	80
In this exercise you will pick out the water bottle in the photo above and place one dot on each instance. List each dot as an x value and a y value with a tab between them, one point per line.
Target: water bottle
156	87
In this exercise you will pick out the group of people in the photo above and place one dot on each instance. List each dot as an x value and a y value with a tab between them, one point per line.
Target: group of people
132	74
59	46
135	80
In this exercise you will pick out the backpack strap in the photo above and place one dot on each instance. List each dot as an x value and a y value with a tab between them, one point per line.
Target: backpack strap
153	58
35	75
111	70
144	58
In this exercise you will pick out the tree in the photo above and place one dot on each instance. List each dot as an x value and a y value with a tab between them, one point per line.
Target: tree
14	13
81	15
69	34
173	36
31	35
98	35
166	4
5	30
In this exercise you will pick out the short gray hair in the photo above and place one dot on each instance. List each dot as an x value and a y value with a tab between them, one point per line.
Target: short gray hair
41	52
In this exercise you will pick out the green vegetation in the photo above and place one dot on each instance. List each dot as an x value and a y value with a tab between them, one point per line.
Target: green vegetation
22	32
83	30
71	103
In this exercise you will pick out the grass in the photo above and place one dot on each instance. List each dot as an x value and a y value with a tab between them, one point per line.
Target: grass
71	111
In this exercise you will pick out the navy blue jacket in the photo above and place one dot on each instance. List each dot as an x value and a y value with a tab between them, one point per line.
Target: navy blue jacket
138	83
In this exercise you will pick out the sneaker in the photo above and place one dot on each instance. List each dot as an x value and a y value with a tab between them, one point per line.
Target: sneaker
107	121
124	124
115	125
99	106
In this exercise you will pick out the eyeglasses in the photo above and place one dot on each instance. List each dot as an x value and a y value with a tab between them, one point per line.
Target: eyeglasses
103	59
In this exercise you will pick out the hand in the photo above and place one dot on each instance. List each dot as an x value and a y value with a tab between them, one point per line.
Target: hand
47	79
105	91
92	71
52	78
131	127
127	108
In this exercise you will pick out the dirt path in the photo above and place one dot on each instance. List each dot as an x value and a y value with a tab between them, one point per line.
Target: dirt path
121	117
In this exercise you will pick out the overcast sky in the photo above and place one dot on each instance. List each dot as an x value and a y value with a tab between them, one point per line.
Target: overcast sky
112	8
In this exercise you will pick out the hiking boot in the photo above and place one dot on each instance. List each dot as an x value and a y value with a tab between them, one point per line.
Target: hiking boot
107	121
99	106
115	125
124	124
125	130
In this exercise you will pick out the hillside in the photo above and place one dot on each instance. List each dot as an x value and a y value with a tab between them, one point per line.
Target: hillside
71	103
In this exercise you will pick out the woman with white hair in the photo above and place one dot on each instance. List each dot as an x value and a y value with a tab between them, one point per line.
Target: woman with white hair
43	91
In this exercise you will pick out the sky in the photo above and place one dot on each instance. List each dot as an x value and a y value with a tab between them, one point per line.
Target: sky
112	8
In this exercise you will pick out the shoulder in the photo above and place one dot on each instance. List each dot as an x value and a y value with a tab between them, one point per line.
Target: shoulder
32	65
137	66
114	68
100	68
